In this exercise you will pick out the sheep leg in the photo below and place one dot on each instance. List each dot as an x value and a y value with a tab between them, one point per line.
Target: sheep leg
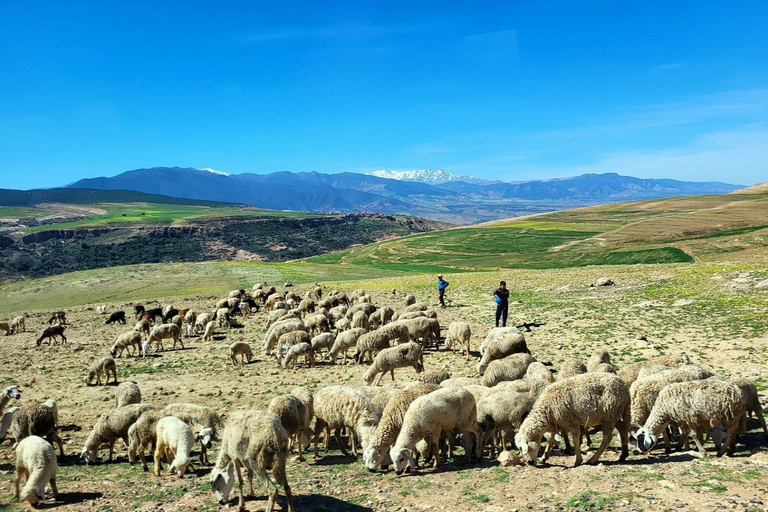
158	464
54	489
241	501
378	380
435	447
336	434
576	435
20	473
297	437
55	438
607	432
698	438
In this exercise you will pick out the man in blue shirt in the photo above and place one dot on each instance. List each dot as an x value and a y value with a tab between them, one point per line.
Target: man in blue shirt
442	284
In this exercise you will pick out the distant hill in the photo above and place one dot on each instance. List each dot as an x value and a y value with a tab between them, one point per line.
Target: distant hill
10	197
455	201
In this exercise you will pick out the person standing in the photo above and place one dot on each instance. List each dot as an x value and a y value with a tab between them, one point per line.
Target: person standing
501	296
442	284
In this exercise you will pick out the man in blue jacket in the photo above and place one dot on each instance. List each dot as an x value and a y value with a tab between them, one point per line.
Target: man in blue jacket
442	284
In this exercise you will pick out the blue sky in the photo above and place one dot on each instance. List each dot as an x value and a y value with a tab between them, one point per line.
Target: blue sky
510	90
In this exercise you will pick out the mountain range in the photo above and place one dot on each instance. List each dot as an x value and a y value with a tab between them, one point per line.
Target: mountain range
433	195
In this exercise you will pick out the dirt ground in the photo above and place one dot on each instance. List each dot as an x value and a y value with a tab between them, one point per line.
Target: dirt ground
632	319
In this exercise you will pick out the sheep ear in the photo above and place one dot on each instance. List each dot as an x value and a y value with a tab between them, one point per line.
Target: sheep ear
411	462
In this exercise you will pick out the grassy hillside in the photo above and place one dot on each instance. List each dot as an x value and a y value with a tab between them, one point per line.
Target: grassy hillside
676	230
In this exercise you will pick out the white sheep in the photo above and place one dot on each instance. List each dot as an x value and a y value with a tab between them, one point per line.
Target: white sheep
697	405
399	356
501	342
210	330
629	372
205	417
295	417
570	367
242	349
5	422
344	341
339	407
290	339
751	402
599	357
35	462
322	341
370	343
126	341
277	330
202	321
257	442
8	394
104	366
391	422
537	370
512	367
293	353
360	319
110	427
175	441
444	409
574	403
458	336
161	332
19	324
127	393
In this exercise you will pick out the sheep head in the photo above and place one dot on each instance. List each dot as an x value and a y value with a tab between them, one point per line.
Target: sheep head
222	481
205	436
529	450
13	392
402	459
373	457
645	440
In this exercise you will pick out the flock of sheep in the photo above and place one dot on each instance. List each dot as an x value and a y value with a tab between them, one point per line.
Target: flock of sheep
514	397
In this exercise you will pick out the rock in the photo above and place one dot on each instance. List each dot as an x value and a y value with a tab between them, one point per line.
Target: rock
604	281
508	458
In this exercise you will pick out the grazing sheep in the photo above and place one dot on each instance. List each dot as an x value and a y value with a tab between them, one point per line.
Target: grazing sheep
290	339
322	341
175	441
428	415
570	367
419	328
501	342
697	405
19	324
222	317
5	422
210	330
380	396
52	333
277	330
409	299
142	327
127	393
293	353
36	420
629	373
256	441
143	433
368	344
202	321
537	370
99	367
161	332
126	341
395	332
434	376
116	317
6	326
391	422
51	404
110	427
242	349
416	306
571	404
751	402
295	417
344	341
599	357
339	407
512	367
10	393
400	356
458	336
203	416
460	382
58	318
35	462
360	319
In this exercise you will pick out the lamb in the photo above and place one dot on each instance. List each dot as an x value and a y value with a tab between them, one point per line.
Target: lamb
242	349
751	402
52	333
277	330
19	324
580	401
434	376
36	462
697	405
99	367
109	427
36	420
537	370
339	407
322	341
458	336
143	433
116	317
10	393
444	409
210	330
400	356
175	441
369	343
599	357
127	393
512	367
295	351
396	332
344	341
190	317
295	417
222	316
290	339
629	372
161	332
391	423
571	367
501	342
202	321
342	324
256	441
125	341
205	417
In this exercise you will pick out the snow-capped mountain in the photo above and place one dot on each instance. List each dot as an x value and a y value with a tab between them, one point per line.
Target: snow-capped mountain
214	171
431	176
